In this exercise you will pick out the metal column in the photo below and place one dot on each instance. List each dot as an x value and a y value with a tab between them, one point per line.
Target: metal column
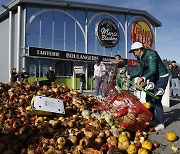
18	38
10	44
86	47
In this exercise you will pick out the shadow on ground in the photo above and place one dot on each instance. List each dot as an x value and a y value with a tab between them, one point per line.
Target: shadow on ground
174	102
172	115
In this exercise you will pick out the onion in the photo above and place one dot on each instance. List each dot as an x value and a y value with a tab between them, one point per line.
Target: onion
61	140
98	140
85	113
89	134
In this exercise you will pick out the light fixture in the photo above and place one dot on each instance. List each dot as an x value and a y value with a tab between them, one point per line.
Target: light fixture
68	4
5	7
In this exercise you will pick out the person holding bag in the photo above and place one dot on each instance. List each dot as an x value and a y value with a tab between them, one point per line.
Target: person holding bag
150	66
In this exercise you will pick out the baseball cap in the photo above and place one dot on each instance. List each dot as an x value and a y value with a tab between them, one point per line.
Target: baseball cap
173	61
135	45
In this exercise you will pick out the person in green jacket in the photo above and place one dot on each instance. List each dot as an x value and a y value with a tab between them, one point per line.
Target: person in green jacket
150	67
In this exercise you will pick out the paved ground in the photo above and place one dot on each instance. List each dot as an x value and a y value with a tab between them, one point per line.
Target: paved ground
172	118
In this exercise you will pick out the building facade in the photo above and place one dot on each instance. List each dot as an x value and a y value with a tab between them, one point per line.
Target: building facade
64	34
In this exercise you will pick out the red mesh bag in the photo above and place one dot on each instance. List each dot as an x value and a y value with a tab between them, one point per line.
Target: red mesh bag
106	102
127	110
124	107
136	117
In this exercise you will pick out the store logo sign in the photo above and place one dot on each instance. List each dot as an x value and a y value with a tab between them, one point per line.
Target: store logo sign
141	32
108	33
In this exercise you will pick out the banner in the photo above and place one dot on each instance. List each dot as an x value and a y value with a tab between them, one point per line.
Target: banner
66	55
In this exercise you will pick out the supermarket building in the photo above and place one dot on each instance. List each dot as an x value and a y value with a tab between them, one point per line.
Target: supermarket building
64	34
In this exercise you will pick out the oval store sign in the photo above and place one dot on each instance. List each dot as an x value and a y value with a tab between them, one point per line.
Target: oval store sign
108	33
141	32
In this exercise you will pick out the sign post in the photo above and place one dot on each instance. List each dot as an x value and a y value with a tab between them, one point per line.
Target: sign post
77	70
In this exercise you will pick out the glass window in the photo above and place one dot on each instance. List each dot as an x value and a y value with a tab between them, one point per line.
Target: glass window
58	25
45	63
62	25
70	46
58	44
68	68
90	69
32	67
115	50
80	16
99	48
70	29
71	12
80	47
79	35
46	24
32	40
59	68
64	68
122	19
80	42
91	28
90	14
53	20
34	27
91	43
121	48
115	15
44	70
46	42
32	70
108	51
31	11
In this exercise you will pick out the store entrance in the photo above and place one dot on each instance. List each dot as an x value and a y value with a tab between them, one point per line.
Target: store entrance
90	73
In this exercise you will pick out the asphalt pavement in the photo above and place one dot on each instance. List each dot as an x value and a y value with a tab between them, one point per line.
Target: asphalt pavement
172	123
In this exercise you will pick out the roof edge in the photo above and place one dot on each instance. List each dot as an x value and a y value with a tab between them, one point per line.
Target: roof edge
72	4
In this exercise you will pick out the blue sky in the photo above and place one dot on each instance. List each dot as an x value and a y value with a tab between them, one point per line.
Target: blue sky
166	11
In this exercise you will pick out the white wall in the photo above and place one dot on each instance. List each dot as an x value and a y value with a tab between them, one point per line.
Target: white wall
4	50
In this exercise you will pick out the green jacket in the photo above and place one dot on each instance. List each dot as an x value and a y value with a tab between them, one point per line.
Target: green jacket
149	66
